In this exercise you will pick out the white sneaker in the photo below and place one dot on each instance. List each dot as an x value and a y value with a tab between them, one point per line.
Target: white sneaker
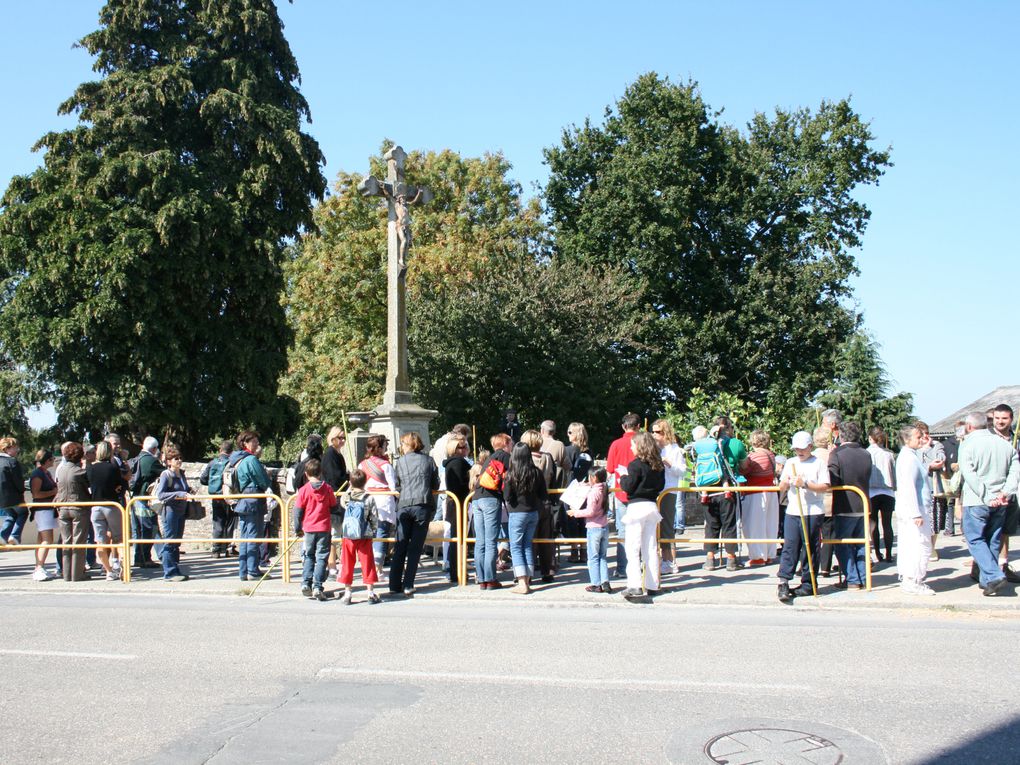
113	576
665	567
332	573
115	565
916	588
41	575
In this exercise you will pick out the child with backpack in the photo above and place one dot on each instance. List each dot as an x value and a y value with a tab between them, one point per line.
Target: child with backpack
595	512
312	508
720	507
361	519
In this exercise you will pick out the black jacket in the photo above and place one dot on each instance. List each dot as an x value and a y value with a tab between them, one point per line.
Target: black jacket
12	481
849	465
641	482
334	468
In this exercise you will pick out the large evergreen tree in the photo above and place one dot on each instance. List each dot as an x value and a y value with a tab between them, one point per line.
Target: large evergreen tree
142	262
742	240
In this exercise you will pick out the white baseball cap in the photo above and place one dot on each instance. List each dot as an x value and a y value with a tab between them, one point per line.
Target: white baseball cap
801	440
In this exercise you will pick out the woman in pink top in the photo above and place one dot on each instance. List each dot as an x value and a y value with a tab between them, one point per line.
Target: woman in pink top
594	513
759	517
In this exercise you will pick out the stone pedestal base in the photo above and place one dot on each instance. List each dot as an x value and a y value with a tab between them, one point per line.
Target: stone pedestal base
393	420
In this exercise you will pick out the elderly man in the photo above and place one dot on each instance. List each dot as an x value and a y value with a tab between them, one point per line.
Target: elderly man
143	519
833	420
988	465
1002	426
850	465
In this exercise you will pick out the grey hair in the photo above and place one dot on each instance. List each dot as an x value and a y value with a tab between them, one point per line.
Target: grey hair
976	420
150	443
907	430
548	426
832	415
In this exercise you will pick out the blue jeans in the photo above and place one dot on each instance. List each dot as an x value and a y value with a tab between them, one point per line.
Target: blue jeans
384	530
143	528
15	519
522	553
850	557
680	523
982	528
253	526
487	513
173	524
315	554
598	551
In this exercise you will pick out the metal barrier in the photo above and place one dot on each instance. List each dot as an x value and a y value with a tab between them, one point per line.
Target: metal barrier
866	541
281	540
335	541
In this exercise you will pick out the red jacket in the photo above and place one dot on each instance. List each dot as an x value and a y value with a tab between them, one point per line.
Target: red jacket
316	503
620	456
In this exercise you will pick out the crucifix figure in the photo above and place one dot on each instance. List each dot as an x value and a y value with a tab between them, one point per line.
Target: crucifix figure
399	198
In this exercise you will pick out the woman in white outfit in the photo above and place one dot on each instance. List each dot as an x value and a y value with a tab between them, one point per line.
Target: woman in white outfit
676	466
913	515
643	482
759	514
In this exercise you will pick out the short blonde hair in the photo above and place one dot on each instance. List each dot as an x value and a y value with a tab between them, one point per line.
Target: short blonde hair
453	444
760	439
7	442
822	437
699	432
533	439
103	451
412	441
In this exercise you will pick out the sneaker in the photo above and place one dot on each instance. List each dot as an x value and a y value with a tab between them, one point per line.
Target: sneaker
373	598
333	573
732	564
115	564
709	564
409	592
916	588
633	593
992	588
41	575
176	578
113	576
306	590
14	541
319	595
665	567
1011	575
347	598
784	594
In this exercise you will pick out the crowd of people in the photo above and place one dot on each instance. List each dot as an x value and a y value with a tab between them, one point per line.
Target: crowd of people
531	490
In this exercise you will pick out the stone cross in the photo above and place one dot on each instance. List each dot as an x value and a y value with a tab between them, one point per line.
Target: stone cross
399	198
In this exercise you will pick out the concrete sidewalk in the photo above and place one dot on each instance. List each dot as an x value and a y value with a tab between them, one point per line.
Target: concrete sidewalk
949	577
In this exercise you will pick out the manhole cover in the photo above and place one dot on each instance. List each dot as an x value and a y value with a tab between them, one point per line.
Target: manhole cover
769	741
776	746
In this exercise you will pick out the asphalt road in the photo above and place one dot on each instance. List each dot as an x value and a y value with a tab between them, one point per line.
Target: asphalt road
98	678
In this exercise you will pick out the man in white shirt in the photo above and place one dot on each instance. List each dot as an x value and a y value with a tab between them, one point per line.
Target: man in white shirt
806	478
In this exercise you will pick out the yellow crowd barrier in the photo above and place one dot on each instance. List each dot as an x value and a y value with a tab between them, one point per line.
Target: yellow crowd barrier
866	541
336	541
281	540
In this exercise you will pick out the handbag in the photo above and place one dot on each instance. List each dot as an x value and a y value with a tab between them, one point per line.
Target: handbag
195	510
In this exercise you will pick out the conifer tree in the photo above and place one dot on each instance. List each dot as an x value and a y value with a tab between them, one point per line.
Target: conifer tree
141	262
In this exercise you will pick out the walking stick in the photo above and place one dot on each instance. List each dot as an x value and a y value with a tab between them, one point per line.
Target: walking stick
285	556
807	540
350	449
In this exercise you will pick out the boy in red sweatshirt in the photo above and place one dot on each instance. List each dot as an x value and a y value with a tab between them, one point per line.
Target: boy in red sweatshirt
312	508
361	519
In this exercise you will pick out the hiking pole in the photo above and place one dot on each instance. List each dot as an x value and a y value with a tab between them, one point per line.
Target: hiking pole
285	556
804	530
350	449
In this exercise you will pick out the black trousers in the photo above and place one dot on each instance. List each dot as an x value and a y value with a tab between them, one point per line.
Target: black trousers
882	507
828	532
412	529
224	523
721	521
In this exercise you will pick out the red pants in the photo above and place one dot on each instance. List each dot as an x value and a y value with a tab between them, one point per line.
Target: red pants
363	549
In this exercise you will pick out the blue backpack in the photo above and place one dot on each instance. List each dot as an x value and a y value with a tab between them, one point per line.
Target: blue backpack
708	465
355	523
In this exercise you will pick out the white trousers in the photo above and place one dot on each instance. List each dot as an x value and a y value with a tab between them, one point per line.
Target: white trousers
642	545
760	520
913	547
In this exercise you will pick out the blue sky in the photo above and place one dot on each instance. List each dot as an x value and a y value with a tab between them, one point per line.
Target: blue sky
938	285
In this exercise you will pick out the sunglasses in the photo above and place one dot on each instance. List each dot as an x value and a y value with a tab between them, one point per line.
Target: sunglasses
657	431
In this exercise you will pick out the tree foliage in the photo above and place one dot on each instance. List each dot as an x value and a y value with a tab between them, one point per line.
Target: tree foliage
142	261
491	321
860	389
742	240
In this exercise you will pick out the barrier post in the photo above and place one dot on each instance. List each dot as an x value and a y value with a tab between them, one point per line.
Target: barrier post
284	537
125	565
